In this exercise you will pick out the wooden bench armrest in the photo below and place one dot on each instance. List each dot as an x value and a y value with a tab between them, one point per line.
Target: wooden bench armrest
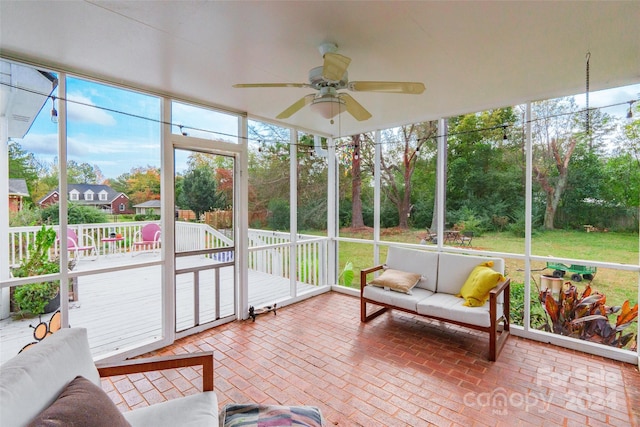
134	366
363	275
500	288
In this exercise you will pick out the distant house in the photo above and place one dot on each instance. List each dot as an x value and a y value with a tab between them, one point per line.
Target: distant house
99	196
17	192
150	207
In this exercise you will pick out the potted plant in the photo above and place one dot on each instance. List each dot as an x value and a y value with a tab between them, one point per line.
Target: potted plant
38	298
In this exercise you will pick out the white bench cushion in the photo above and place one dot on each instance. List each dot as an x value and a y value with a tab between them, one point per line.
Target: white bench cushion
450	307
397	299
200	409
453	270
32	380
414	261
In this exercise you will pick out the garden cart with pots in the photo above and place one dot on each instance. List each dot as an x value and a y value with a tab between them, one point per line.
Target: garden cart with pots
578	272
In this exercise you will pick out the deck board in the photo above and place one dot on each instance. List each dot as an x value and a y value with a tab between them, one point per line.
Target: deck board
124	307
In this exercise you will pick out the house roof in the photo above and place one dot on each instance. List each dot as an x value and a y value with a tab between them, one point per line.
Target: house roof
83	188
18	187
148	204
471	56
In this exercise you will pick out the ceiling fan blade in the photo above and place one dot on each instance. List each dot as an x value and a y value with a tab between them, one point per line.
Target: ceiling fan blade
299	104
246	85
413	88
354	108
334	66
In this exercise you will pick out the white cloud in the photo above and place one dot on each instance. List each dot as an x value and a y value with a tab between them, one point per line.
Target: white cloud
204	123
41	144
113	156
605	98
82	109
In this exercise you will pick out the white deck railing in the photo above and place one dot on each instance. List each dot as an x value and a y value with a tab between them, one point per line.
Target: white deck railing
269	251
189	236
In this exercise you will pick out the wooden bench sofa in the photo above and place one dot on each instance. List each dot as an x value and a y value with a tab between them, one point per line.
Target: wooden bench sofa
441	277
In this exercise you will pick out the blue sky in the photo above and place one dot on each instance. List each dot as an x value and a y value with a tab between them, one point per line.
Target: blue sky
117	130
114	138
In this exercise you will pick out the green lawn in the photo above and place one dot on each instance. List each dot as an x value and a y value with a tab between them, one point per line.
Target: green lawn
617	285
609	247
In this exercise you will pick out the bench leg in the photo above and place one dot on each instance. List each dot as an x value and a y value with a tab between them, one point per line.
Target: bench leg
497	339
363	311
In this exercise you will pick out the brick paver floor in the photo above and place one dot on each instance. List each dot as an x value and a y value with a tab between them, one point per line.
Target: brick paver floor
397	370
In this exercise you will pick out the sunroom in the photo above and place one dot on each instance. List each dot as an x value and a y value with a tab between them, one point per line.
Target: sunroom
523	140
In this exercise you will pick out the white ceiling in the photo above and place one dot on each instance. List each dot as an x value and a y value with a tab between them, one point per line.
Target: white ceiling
470	55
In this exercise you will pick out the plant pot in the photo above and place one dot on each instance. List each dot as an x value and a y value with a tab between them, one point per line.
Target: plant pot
53	304
554	284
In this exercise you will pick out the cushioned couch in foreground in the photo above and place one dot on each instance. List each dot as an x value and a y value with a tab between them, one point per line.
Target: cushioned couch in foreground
56	382
465	290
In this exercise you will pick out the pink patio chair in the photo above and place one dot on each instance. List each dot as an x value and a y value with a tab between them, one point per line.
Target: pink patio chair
87	247
146	239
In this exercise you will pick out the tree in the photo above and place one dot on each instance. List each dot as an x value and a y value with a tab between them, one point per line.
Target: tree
83	173
557	134
47	175
312	181
142	184
398	164
24	165
199	191
622	174
484	178
21	163
269	170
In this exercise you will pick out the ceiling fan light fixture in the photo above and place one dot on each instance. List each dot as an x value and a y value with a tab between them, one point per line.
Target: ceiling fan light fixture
328	106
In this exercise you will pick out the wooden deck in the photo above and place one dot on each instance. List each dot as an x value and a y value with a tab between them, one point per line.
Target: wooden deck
122	308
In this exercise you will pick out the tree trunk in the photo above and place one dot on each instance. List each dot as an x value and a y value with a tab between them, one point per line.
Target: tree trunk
553	200
357	220
404	208
555	192
549	214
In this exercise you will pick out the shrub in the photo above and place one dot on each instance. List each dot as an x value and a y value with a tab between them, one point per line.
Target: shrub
516	306
78	214
146	217
24	217
278	218
467	220
347	275
33	298
585	316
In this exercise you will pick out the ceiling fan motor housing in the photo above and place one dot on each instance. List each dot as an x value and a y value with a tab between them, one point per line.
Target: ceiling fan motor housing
316	80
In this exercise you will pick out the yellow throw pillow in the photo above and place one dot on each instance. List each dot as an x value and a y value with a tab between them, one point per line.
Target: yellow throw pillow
477	286
397	280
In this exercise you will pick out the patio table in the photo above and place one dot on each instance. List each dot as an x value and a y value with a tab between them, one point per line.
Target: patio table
452	236
110	245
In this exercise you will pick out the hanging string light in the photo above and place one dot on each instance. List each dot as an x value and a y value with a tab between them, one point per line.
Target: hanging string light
54	116
54	112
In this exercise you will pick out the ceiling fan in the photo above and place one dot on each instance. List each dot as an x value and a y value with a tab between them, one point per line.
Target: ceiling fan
328	80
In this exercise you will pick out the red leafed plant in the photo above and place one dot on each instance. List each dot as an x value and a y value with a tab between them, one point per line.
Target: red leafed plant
586	317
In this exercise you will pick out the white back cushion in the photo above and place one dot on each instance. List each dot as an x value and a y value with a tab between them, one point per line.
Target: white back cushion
33	379
415	261
453	270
